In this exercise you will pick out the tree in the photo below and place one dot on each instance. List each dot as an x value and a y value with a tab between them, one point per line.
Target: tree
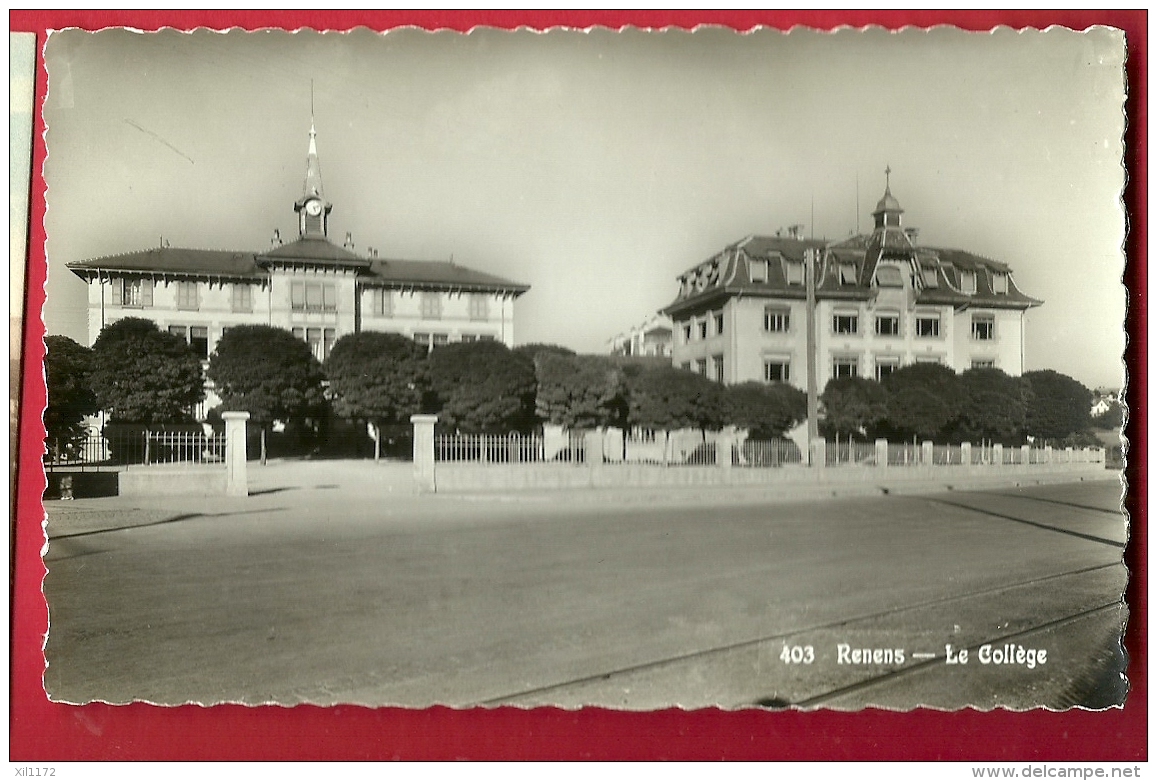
663	397
579	391
767	411
67	366
534	349
377	377
1060	405
924	400
482	387
269	373
853	405
143	375
994	407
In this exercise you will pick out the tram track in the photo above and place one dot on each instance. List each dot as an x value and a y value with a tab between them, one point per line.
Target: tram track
558	688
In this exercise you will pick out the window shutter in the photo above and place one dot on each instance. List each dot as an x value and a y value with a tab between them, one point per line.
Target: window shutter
116	297
146	292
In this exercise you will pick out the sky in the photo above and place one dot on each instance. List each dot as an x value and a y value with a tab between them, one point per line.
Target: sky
597	166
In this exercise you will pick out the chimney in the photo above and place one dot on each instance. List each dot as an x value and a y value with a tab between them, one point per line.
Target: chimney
912	234
276	240
349	241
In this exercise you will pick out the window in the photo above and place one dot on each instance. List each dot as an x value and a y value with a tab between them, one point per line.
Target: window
845	367
242	297
701	366
844	323
968	282
928	359
718	323
686	333
888	324
486	338
431	306
313	296
758	270
777	319
928	326
199	341
931	277
885	366
441	339
702	329
469	338
1000	283
132	292
479	309
983	363
717	367
983	327
889	276
383	303
423	339
197	337
187	295
777	370
793	270
320	340
847	274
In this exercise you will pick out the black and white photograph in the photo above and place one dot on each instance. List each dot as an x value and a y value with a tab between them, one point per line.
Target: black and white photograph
637	369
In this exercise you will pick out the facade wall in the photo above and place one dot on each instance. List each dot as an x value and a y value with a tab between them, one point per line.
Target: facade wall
272	304
455	319
1004	349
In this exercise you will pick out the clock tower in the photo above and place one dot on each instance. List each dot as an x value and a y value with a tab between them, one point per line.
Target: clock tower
312	208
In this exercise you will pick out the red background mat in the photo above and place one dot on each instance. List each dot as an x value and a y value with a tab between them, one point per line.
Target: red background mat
45	731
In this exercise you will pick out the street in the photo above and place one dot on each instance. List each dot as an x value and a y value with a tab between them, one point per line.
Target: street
339	591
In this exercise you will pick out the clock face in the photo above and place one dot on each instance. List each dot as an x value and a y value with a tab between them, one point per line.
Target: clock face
313	208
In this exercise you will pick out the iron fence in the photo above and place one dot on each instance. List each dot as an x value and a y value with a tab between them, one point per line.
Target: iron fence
513	448
122	448
850	452
765	453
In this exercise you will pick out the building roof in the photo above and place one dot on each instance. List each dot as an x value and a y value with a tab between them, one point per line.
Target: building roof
175	260
416	274
436	274
729	273
315	250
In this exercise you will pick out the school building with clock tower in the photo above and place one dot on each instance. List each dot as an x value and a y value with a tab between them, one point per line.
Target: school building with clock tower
313	287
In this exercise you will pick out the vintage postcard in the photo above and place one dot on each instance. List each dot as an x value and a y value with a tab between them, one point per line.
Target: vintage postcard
635	369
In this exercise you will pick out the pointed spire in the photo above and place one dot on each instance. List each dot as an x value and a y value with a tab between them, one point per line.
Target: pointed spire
313	167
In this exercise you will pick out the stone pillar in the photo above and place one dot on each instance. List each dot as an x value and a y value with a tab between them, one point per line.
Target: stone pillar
613	445
1025	455
1048	454
966	453
424	452
998	454
881	452
819	452
1068	455
926	452
724	441
236	479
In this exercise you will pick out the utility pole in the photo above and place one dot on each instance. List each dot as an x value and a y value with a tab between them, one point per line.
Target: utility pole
810	258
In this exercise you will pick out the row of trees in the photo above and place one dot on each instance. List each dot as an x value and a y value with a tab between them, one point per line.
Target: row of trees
140	374
932	402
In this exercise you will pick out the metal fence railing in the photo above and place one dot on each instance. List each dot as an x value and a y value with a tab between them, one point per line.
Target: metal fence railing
850	452
766	453
121	448
513	448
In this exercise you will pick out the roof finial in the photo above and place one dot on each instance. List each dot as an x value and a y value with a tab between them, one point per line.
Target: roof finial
888	177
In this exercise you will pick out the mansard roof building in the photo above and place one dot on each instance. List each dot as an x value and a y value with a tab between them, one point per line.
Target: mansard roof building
882	301
311	286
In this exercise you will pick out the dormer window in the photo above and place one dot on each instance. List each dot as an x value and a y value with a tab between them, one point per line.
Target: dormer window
889	276
847	273
758	270
930	277
999	283
968	282
793	270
